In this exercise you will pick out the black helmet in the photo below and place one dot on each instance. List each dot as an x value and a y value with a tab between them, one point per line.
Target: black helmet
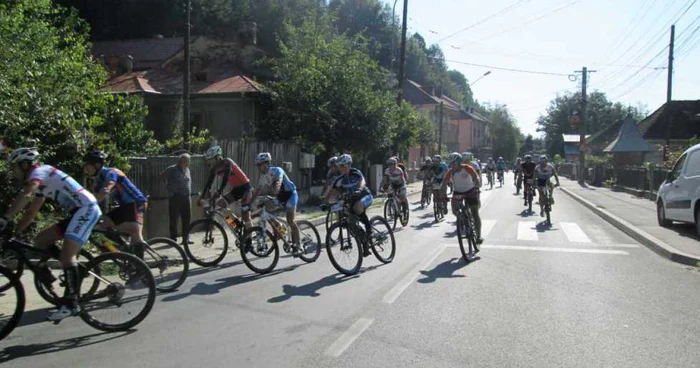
95	157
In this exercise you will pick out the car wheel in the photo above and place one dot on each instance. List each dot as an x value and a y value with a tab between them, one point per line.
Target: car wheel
661	214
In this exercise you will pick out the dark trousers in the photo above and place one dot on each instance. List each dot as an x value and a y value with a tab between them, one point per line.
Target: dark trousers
179	206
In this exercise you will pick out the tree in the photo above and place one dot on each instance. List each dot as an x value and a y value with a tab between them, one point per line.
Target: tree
528	146
328	94
49	88
506	136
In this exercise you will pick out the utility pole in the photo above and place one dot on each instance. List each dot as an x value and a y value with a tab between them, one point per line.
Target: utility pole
582	122
669	89
186	80
402	58
439	149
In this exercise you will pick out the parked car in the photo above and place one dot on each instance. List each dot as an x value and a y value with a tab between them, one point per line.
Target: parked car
678	198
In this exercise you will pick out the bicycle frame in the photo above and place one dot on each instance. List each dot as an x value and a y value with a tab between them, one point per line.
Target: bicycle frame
349	217
266	217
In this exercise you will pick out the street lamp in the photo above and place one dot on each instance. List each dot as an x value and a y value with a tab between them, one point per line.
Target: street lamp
478	79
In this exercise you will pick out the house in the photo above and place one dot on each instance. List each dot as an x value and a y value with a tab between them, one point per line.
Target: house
571	146
223	99
462	129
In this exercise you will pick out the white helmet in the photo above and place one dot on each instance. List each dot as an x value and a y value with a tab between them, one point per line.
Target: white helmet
344	160
454	158
332	161
213	152
391	161
428	159
24	155
437	158
263	157
543	158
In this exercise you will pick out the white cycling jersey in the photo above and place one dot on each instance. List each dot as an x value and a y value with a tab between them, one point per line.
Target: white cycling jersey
545	172
395	176
57	185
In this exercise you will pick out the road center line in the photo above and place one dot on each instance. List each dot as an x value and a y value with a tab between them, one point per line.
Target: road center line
396	291
348	337
547	249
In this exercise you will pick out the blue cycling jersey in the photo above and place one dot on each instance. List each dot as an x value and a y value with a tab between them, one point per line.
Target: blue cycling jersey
439	172
124	191
277	173
351	182
500	165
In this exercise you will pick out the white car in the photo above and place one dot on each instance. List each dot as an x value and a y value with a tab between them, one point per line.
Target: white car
678	198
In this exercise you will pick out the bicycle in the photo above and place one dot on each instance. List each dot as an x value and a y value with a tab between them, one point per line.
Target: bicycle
393	212
12	295
381	240
547	206
258	238
439	205
518	183
208	237
105	285
426	195
529	193
500	178
489	176
466	229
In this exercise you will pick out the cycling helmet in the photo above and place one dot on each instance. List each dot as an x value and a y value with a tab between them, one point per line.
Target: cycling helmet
437	158
467	156
344	160
95	157
490	159
500	159
332	161
391	161
455	158
24	155
428	160
528	158
518	159
263	157
213	152
543	158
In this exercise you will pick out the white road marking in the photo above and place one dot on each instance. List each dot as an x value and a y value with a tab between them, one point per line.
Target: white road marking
348	337
486	227
574	232
527	230
547	249
396	291
615	245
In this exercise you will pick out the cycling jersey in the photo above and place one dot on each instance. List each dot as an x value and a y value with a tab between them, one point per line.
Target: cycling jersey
501	165
57	185
475	166
230	172
331	176
351	183
277	174
462	178
396	176
528	168
439	172
517	168
124	190
491	166
544	173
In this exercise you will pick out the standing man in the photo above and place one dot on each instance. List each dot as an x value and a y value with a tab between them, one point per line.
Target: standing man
179	185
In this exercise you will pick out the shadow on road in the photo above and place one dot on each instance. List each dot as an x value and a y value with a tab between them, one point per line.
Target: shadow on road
203	270
444	270
544	226
424	225
209	289
311	289
19	351
526	213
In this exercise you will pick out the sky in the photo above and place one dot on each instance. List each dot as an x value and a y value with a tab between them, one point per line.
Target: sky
624	41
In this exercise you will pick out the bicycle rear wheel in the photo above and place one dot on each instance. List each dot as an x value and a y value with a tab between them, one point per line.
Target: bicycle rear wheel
125	295
390	214
210	242
310	241
168	263
382	242
51	293
263	253
344	249
12	301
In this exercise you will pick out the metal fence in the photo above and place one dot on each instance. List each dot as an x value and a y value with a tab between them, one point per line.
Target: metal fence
635	178
244	154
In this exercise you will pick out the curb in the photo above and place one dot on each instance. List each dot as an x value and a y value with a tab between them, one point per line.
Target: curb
655	244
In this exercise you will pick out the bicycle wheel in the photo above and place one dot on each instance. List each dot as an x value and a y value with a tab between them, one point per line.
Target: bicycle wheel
462	236
548	210
430	197
405	213
423	199
52	292
210	242
125	295
168	263
382	242
12	263
12	302
310	241
344	249
331	218
262	255
437	211
389	213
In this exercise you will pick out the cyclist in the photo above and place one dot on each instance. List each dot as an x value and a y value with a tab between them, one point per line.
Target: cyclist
544	172
466	183
468	158
331	176
517	180
353	182
439	170
527	173
500	167
395	177
231	175
402	167
112	182
490	169
42	181
426	172
284	191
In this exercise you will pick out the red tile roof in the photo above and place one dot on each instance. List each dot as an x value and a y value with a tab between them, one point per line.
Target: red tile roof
160	81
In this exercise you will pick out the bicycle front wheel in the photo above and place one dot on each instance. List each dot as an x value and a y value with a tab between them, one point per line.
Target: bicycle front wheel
168	263
125	295
390	213
11	303
209	242
382	242
462	232
344	249
260	251
10	260
310	241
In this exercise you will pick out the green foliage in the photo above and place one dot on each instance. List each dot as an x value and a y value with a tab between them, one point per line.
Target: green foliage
528	146
558	159
674	155
505	134
49	91
199	141
599	161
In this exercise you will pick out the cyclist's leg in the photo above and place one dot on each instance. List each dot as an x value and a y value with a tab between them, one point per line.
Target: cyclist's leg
291	210
360	208
454	205
551	190
128	218
474	208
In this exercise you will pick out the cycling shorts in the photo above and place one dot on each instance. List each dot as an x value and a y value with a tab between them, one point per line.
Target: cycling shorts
128	212
288	200
364	198
238	193
400	190
471	197
541	183
79	226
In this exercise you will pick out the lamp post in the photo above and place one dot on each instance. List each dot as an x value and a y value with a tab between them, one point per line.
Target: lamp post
478	79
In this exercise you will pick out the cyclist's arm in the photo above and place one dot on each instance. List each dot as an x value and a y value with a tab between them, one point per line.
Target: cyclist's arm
104	192
556	177
475	176
446	179
210	181
31	212
276	181
224	179
21	201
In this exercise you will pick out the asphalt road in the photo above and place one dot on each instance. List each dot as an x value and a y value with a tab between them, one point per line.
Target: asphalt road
578	294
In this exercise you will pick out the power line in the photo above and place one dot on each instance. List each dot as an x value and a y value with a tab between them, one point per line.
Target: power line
500	12
631	26
508	69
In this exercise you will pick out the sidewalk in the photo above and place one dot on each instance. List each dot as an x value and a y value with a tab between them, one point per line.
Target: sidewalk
637	218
